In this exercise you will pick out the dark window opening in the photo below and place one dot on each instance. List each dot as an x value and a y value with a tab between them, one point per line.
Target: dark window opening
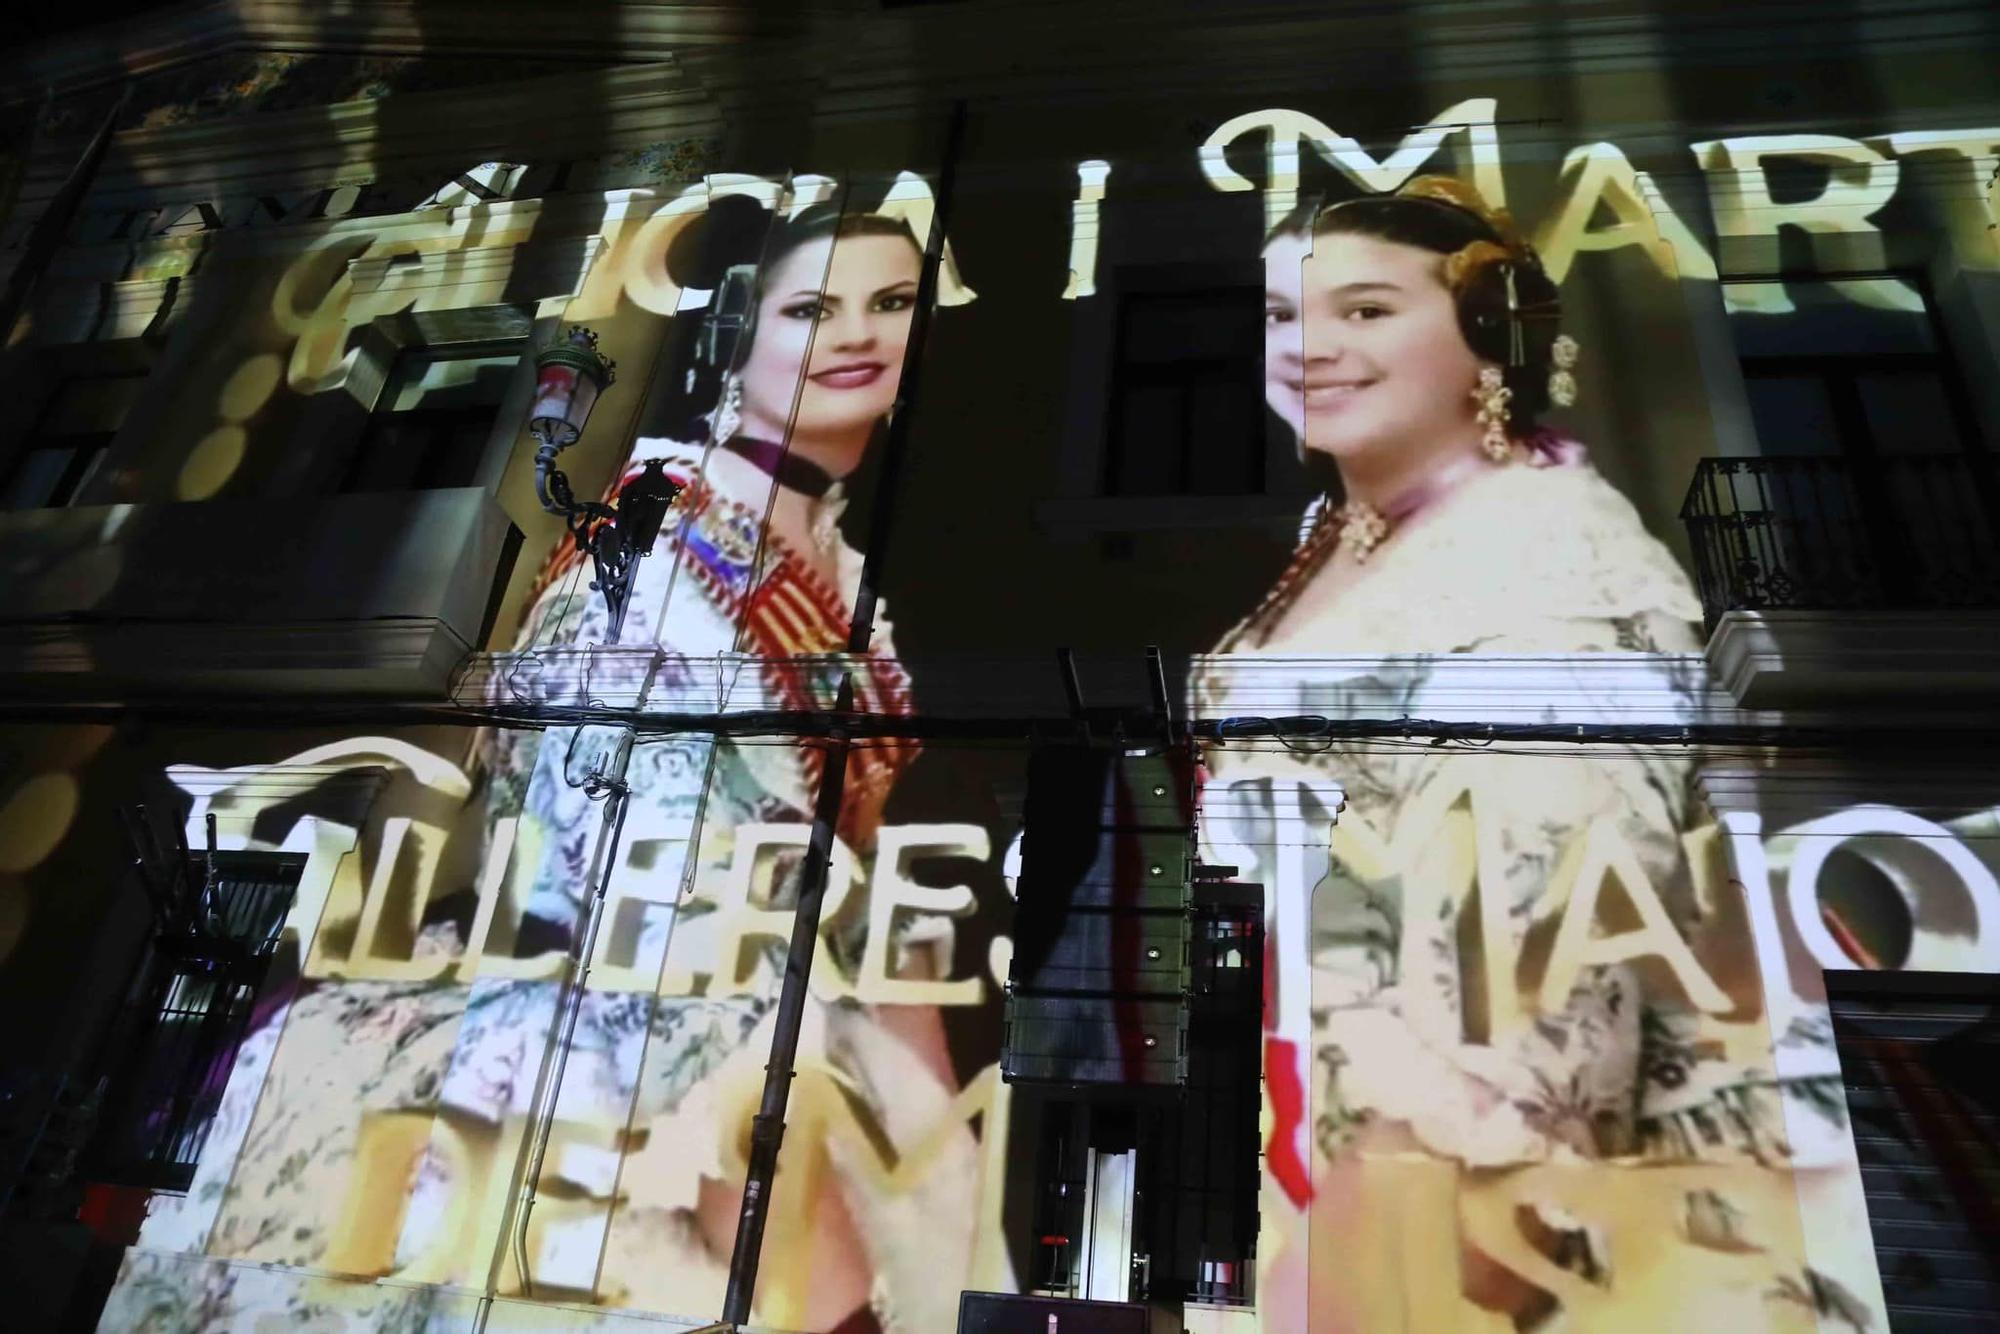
1835	375
431	425
69	440
1880	488
1186	415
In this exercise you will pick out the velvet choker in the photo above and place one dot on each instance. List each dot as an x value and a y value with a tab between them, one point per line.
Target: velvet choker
801	475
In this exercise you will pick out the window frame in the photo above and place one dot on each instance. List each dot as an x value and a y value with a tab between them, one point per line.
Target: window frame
1834	370
38	379
412	355
148	1069
1129	374
336	423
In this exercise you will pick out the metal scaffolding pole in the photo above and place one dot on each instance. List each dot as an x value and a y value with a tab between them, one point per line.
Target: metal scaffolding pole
767	1131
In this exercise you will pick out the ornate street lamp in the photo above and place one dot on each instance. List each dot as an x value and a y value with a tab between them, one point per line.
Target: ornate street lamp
569	376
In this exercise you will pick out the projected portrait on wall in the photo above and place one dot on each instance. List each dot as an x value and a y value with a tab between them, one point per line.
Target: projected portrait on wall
1452	1010
800	355
1414	346
793	369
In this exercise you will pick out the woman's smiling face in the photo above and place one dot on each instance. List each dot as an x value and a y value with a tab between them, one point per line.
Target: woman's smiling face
1363	352
848	334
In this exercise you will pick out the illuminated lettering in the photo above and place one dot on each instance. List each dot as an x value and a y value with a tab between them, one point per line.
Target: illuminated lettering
1287	129
477	185
1601	855
392	912
1473	117
492	876
196	217
1972	176
263	210
1597	175
1445	853
829	1101
743	924
638	255
1909	859
453	1245
1281	156
1090	181
891	890
910	199
639	889
311	303
387	1150
1860	181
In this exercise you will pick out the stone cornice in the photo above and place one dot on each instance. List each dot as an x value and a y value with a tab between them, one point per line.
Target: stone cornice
1785	791
409	660
983	48
1637	690
1940	659
634	32
846	60
600	113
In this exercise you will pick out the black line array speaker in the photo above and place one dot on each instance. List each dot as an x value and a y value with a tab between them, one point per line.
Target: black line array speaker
1009	1313
1097	996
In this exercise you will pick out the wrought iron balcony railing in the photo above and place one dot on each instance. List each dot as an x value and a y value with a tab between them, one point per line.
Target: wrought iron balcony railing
1828	533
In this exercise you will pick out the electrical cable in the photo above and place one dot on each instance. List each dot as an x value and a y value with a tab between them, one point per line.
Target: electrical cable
1306	733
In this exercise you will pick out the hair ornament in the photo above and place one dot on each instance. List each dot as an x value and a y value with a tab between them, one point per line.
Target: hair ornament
727	419
1517	347
1562	379
1464	265
1451	190
1490	397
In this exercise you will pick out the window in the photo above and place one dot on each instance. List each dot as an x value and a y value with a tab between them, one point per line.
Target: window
171	1060
431	425
70	436
1187	396
1888	499
1833	375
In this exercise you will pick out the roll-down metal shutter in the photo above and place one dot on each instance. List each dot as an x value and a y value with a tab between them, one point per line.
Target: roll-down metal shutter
1920	1056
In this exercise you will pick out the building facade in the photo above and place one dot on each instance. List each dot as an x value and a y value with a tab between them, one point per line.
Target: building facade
1504	490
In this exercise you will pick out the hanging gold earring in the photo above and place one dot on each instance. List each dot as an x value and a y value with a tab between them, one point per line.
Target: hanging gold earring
1562	383
1491	396
727	418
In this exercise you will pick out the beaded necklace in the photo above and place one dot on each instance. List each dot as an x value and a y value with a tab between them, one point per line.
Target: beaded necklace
1355	526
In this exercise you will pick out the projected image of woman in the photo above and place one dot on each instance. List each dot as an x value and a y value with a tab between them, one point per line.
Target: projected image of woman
753	561
1414	345
1413	342
815	373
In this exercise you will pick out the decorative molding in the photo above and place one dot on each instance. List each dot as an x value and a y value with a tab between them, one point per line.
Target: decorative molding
1815	659
1611	688
637	30
1787	791
279	781
411	658
85	312
417	135
1008	51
